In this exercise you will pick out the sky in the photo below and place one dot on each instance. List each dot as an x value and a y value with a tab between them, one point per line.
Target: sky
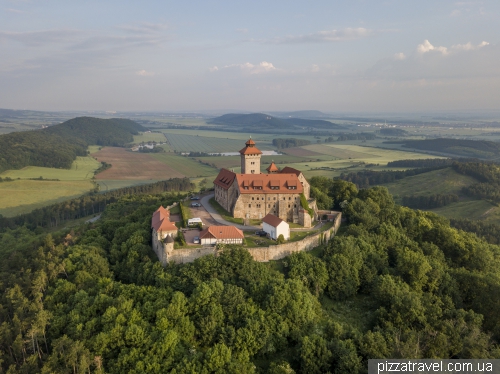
334	56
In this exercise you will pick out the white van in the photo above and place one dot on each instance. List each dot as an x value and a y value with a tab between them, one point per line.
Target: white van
194	221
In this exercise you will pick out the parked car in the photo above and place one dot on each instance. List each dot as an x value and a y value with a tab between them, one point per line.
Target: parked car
261	233
195	205
196	240
195	198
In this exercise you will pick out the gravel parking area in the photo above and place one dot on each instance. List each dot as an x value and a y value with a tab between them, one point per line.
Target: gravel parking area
189	235
201	212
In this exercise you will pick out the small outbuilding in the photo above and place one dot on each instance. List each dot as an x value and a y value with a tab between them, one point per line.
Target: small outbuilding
275	227
221	234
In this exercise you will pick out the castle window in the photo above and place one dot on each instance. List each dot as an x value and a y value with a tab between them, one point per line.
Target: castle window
295	205
253	198
289	198
289	205
274	198
268	205
249	205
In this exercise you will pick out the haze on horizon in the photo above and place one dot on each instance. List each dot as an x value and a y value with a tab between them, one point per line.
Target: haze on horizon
255	56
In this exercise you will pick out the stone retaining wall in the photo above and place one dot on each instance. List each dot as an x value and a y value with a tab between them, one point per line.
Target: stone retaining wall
262	254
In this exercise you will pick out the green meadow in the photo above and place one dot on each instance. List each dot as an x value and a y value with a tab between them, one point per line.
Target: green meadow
82	169
444	181
149	137
22	196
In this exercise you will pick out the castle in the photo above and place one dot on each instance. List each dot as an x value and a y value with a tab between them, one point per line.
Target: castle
252	194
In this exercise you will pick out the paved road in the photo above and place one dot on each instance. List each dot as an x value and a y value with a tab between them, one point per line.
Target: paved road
218	218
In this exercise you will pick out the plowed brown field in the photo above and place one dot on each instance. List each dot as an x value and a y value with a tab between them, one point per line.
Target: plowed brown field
300	152
127	165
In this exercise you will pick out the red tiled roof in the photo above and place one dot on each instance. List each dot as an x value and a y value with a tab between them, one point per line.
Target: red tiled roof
159	215
222	232
281	181
272	167
289	170
272	220
225	178
250	151
250	142
161	220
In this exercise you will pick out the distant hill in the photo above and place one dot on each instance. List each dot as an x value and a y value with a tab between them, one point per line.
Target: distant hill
266	122
58	146
112	132
309	114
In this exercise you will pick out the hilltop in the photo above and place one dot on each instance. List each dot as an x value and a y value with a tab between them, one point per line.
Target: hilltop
263	121
59	145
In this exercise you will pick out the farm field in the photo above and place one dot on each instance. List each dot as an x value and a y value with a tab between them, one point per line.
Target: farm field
22	196
194	143
108	185
300	152
335	151
444	181
471	209
221	134
82	169
133	166
149	137
230	162
351	158
185	165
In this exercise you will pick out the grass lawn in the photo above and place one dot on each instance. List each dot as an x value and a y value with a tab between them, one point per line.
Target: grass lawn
253	240
224	213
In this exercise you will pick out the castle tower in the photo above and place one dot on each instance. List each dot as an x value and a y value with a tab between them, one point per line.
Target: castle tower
272	169
250	158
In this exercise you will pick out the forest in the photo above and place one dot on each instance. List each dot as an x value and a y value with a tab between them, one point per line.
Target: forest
428	201
366	178
394	282
58	146
281	143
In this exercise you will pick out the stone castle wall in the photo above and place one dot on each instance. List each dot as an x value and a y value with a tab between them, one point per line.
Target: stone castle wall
262	254
258	205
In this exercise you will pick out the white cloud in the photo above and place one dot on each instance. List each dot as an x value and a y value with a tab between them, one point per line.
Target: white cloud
469	46
213	69
35	38
144	73
426	46
242	31
400	56
455	13
263	67
315	68
324	36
